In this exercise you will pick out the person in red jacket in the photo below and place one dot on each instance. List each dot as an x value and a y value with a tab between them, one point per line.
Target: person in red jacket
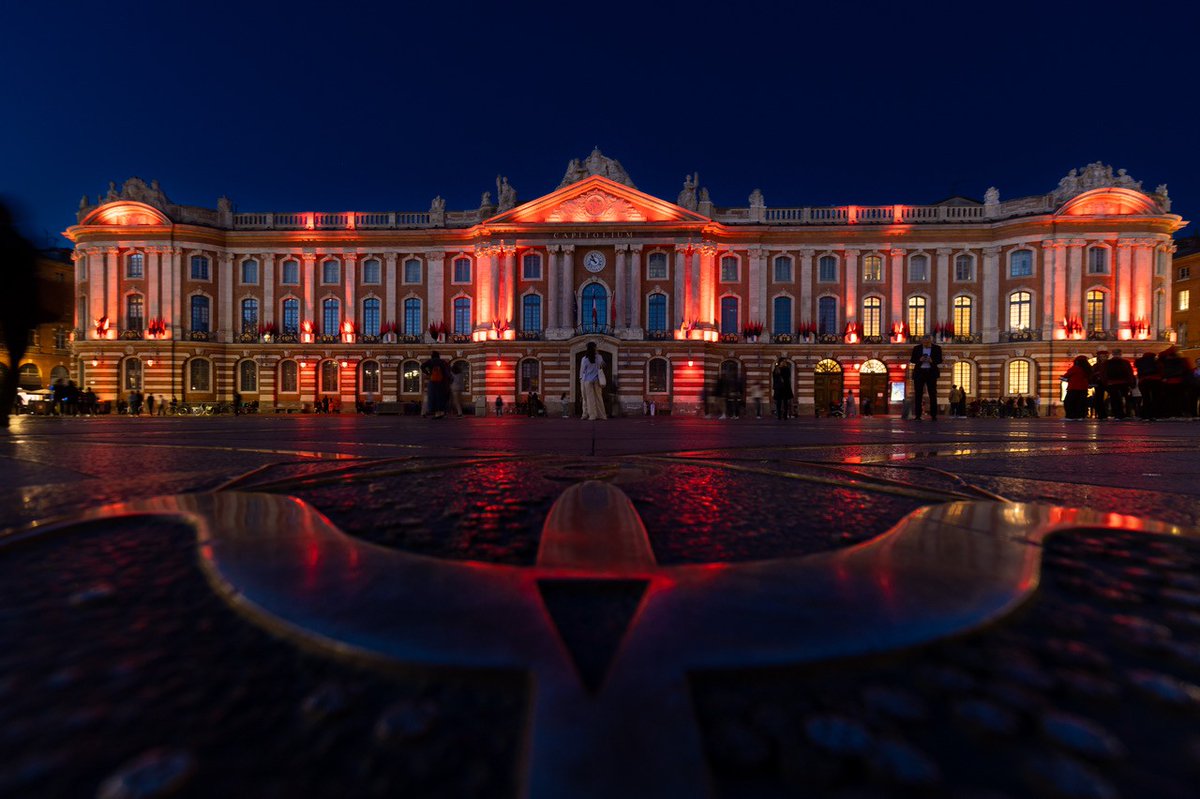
1078	379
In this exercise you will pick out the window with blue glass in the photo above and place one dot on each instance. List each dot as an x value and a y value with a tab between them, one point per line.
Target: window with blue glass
783	269
331	317
135	265
531	313
370	316
729	315
250	315
531	267
827	316
291	316
371	274
291	273
827	269
781	319
1020	264
918	268
250	272
200	314
462	316
412	317
331	272
412	270
656	313
594	311
729	269
199	267
462	270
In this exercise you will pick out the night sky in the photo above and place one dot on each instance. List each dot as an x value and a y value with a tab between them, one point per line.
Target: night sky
349	106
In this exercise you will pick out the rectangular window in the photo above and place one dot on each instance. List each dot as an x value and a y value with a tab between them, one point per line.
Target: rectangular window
783	269
412	271
656	313
531	267
331	273
827	269
729	315
331	317
872	269
372	274
827	316
872	323
964	268
918	269
200	314
462	316
1185	272
729	269
1097	261
199	267
1185	299
291	316
250	273
371	316
135	312
1021	264
291	273
135	265
462	270
531	313
656	266
288	374
412	317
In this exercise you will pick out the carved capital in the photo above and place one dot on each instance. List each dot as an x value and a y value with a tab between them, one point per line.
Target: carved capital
684	248
853	253
1076	242
1125	244
708	249
896	252
759	252
568	249
635	248
432	255
992	251
807	252
508	249
945	250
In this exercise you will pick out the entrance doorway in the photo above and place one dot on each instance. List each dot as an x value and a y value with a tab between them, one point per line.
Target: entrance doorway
609	390
827	386
873	386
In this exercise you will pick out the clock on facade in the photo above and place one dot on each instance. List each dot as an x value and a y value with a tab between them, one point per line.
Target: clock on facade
594	261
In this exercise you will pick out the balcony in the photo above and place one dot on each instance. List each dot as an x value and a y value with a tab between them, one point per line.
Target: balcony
1024	334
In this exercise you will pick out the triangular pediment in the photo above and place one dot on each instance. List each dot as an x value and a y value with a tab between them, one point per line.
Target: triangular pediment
596	200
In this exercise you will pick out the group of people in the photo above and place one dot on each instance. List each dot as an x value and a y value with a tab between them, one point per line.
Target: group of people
1152	386
443	386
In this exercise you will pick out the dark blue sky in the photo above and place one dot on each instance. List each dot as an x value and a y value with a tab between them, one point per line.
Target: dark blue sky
353	106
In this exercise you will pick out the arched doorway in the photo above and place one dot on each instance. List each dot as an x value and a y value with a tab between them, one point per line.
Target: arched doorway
29	377
609	390
873	386
827	385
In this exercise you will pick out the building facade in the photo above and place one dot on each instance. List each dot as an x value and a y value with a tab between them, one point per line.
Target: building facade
49	359
1185	301
291	308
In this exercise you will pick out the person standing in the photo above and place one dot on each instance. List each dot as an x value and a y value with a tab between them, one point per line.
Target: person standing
150	405
162	406
926	360
781	388
1099	391
456	387
849	406
1176	374
591	380
437	380
1118	379
499	406
1078	379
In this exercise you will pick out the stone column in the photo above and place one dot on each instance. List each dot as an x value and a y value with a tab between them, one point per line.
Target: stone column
694	270
567	286
436	277
806	285
95	291
635	288
172	289
991	295
896	276
482	277
112	263
309	283
758	285
1061	299
552	292
389	288
683	280
851	286
1143	280
1075	277
348	283
1169	247
225	292
268	284
1049	264
1122	283
708	283
943	285
507	311
620	295
153	283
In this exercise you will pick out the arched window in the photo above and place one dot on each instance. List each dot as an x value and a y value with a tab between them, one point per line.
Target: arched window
131	374
372	275
200	313
370	377
1018	378
729	269
410	378
1097	261
781	317
827	271
289	382
291	273
918	268
291	316
1096	311
918	320
729	315
29	376
1020	310
827	366
412	317
964	268
531	313
657	374
593	310
462	316
135	306
331	272
370	316
783	269
59	374
963	316
656	266
872	269
656	313
827	316
462	270
529	376
199	267
199	375
248	377
249	316
329	377
331	317
962	375
1020	263
250	272
872	321
412	271
531	267
135	266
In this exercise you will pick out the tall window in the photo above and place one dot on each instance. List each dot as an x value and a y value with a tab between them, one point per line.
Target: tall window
918	268
656	313
60	338
729	315
656	376
249	315
964	268
528	375
462	316
370	377
531	267
1185	299
412	317
729	269
462	270
917	316
872	269
133	374
329	377
827	316
331	317
372	275
291	316
199	267
199	373
289	382
1020	310
1095	310
962	315
781	321
783	269
370	316
827	269
331	272
531	313
135	312
962	375
410	378
1097	261
135	265
1020	263
593	311
247	377
1018	377
291	273
412	270
200	307
250	272
872	322
656	266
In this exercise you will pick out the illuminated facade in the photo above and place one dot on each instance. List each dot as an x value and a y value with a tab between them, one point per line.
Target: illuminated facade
1185	300
289	308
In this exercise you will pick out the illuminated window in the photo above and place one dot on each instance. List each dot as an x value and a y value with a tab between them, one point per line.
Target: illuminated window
656	266
872	321
372	274
250	272
531	313
729	269
412	271
200	314
962	375
963	307
329	377
781	321
291	316
370	377
783	269
410	378
199	372
462	316
656	376
132	374
1097	261
248	377
531	267
291	273
528	375
918	268
729	315
135	306
1020	263
656	313
250	316
1018	377
827	271
827	316
872	269
412	317
462	270
1096	307
1020	310
288	378
370	316
1185	299
964	268
917	316
135	265
199	267
331	272
331	317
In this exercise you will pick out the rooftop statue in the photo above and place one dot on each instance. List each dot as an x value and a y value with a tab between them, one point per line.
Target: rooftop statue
1095	175
596	164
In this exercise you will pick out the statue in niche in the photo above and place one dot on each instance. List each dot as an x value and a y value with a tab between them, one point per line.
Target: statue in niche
756	199
687	196
991	196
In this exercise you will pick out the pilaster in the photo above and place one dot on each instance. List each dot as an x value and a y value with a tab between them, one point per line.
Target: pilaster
683	282
895	276
111	303
943	285
636	300
1143	280
1075	277
1123	283
309	279
154	258
348	282
806	286
436	275
567	287
852	286
508	292
1050	249
991	294
225	321
389	287
268	286
707	310
621	295
757	284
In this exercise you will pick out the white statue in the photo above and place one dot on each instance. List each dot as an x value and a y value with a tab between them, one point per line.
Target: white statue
756	199
506	194
991	196
687	196
438	206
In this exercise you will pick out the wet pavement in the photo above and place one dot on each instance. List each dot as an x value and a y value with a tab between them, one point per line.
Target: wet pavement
126	671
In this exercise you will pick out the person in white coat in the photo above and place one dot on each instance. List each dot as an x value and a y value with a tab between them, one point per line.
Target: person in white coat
591	381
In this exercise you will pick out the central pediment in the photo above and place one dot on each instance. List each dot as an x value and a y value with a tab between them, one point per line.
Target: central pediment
596	200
